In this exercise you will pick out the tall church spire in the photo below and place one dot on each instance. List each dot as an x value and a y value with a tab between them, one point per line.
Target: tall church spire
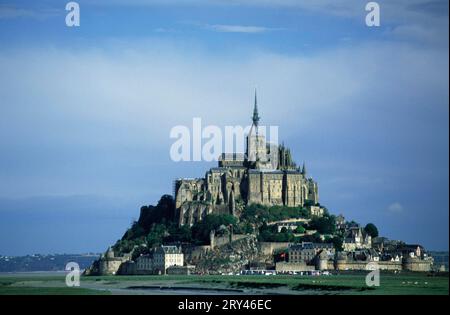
255	112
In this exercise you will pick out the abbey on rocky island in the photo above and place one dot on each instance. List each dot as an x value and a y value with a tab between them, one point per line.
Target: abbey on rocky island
266	174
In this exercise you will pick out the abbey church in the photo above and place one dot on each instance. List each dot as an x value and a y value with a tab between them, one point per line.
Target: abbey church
266	174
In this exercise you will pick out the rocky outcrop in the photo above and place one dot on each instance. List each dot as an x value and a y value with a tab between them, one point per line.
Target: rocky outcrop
230	258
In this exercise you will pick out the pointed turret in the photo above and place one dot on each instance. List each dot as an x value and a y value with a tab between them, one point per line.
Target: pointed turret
304	169
255	117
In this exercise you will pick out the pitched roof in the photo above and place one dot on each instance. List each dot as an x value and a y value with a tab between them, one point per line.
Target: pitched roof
309	245
169	249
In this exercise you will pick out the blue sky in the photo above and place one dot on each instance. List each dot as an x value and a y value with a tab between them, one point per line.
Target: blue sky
85	113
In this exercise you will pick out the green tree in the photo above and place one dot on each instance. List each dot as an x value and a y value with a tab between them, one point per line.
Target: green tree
256	213
134	232
300	229
338	243
247	228
178	234
138	251
324	225
156	235
371	229
269	233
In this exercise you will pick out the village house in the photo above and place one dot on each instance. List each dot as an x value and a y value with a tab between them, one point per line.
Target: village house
356	238
167	256
306	252
144	264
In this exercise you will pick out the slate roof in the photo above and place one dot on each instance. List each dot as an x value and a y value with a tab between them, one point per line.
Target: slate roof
308	245
169	250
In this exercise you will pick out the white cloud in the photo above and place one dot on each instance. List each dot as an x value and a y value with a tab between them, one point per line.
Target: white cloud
395	207
95	100
12	12
421	33
139	82
240	28
425	21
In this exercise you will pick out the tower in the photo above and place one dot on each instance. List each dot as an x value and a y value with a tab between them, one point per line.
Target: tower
255	120
255	117
256	144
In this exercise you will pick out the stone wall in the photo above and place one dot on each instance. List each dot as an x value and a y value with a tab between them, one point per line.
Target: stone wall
286	266
193	211
289	188
361	265
271	186
416	264
330	265
390	265
292	220
295	190
180	270
109	266
127	268
268	248
222	240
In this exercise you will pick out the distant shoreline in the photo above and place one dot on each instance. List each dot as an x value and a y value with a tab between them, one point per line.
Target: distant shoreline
44	263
